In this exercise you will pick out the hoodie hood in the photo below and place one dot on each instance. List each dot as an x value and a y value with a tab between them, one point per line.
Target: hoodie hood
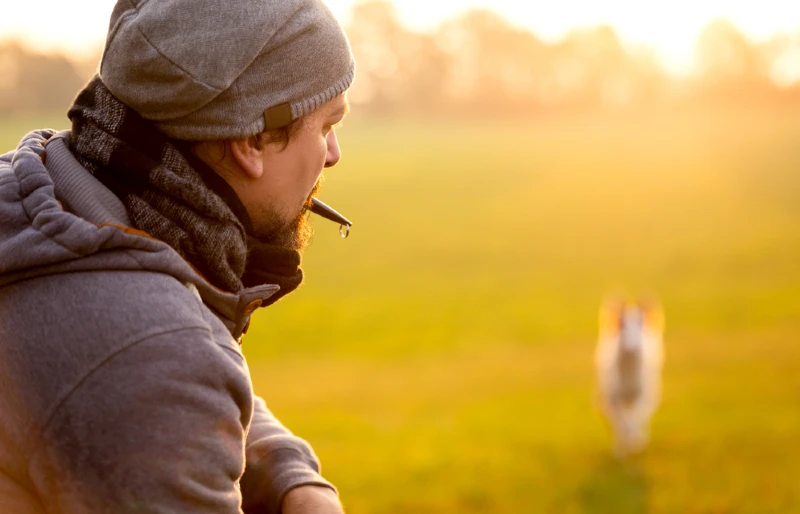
55	217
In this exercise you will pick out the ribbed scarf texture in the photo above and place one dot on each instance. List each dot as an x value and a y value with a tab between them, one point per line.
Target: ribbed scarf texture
167	197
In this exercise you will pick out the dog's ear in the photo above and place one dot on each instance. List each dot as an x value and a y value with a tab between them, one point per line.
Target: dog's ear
653	313
610	316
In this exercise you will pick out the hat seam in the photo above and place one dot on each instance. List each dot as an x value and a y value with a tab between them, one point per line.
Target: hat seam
176	65
239	113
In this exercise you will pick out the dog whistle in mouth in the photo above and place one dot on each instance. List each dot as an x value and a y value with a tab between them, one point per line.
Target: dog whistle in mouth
319	208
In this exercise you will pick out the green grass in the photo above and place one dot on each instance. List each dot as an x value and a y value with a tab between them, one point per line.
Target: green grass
439	360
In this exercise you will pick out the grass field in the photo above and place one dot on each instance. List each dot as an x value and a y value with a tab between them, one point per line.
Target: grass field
440	359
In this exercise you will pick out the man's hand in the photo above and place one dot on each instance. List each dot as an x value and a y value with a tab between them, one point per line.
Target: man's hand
311	499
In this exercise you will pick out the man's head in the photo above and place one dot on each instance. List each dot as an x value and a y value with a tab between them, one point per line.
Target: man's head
258	82
276	173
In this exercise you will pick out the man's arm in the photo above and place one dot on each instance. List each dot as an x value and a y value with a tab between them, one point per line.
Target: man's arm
282	471
158	427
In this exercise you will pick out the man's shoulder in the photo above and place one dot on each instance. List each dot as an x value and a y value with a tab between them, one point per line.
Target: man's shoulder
107	307
57	329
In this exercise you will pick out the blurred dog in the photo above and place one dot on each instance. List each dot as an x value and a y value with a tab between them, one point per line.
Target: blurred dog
629	359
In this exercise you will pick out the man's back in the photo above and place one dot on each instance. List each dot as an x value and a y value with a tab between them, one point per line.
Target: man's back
121	390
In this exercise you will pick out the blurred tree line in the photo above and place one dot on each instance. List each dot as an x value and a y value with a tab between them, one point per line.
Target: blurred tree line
480	64
33	82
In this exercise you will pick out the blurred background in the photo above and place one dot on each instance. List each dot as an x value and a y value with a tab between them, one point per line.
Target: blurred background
506	164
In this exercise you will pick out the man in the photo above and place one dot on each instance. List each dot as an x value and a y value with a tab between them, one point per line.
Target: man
135	247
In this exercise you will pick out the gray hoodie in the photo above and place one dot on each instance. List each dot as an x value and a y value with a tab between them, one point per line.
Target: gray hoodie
122	385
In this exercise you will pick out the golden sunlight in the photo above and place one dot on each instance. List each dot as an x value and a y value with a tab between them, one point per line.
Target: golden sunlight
670	29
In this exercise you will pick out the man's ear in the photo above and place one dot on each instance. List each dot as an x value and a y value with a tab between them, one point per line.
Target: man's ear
248	154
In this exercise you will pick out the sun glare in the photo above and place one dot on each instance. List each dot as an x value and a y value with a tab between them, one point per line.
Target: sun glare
74	28
669	28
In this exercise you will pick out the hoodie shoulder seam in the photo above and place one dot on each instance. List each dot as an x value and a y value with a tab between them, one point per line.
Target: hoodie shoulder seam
103	361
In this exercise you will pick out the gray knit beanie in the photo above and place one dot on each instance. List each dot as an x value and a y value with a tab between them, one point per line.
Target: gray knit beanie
217	69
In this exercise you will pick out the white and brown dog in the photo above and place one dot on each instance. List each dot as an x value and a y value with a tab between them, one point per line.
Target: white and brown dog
629	359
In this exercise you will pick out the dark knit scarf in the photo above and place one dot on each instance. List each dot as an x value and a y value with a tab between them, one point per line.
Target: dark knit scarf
186	205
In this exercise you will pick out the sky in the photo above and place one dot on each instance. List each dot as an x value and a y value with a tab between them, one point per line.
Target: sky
670	28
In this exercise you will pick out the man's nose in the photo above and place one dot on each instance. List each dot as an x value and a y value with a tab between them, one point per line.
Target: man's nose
334	152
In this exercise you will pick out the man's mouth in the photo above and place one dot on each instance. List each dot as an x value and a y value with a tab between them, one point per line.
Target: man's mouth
319	208
309	203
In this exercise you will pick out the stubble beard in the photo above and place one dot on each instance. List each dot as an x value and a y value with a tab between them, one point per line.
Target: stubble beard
295	234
